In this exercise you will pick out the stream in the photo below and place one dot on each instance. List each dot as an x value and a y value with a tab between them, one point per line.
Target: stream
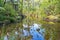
32	32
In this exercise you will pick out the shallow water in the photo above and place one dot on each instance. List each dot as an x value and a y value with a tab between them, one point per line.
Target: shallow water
23	34
34	33
17	32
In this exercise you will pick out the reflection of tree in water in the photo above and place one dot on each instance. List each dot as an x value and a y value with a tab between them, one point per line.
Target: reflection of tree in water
12	29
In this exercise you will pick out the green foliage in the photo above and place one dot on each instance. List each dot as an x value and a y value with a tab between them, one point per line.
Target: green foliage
7	12
45	7
35	12
2	14
1	3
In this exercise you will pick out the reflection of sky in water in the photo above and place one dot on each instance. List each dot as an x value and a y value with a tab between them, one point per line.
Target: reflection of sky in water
5	38
35	34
